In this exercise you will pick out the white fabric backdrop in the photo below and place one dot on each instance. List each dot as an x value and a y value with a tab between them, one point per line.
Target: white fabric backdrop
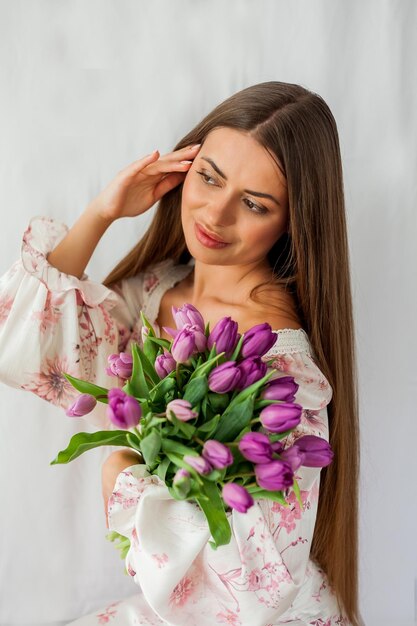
89	86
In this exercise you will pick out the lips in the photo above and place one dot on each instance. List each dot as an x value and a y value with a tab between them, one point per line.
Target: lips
209	234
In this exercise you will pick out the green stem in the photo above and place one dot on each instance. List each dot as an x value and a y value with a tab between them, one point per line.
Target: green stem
198	440
255	420
240	475
177	375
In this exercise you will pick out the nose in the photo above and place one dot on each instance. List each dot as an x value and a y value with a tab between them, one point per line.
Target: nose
220	213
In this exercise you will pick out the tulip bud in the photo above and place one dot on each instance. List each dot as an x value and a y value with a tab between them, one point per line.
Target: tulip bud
187	314
120	365
183	346
224	377
217	454
224	334
252	369
283	388
164	364
274	476
258	340
256	447
181	409
199	337
293	456
199	463
123	410
182	483
316	451
237	497
84	404
279	418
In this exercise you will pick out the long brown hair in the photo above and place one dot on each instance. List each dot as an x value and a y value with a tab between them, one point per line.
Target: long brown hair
311	261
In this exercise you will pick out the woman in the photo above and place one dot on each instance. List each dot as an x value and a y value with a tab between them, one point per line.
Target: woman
251	224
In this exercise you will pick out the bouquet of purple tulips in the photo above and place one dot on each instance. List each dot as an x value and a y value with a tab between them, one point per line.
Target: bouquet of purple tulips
205	414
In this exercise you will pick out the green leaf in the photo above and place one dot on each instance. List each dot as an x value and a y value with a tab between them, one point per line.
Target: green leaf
147	366
237	349
157	393
209	427
123	542
86	387
81	442
259	493
150	446
185	428
146	322
218	401
205	368
196	389
133	441
137	385
249	390
213	508
297	492
160	342
162	468
232	422
170	445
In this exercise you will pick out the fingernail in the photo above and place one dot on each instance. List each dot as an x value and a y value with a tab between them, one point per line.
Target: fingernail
196	145
185	161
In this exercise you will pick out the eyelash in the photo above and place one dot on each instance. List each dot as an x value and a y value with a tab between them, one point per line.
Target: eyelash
261	210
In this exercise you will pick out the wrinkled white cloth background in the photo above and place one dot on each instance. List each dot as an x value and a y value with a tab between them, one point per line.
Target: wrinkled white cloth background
89	86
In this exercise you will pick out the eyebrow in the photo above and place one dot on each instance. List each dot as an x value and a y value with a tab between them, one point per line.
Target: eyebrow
253	193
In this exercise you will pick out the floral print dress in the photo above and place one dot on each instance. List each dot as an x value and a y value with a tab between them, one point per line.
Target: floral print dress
52	322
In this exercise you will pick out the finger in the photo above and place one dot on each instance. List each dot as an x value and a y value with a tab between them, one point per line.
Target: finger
167	183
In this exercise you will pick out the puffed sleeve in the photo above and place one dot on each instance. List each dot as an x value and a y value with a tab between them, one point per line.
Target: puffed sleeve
264	573
52	322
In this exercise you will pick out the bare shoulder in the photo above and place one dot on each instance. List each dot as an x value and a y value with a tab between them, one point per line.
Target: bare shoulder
276	308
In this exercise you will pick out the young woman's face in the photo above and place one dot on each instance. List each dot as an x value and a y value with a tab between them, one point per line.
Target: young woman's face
232	204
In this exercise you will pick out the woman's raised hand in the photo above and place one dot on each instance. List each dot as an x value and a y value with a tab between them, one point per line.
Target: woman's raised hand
138	186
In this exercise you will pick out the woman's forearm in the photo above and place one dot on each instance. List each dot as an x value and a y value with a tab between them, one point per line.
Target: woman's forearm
111	468
73	253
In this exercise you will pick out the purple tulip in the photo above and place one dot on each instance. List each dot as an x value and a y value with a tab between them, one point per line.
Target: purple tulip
258	340
224	377
199	463
187	314
84	404
164	364
283	388
224	334
184	345
199	337
217	454
237	497
252	369
293	456
123	410
277	446
274	476
182	483
120	365
181	409
316	451
278	418
256	447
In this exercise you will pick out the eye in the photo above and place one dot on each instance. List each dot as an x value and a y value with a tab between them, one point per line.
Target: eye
254	208
204	176
259	209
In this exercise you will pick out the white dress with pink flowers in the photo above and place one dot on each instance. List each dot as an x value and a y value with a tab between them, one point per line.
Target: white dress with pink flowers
264	576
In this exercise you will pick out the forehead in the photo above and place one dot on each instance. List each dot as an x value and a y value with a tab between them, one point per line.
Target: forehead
241	156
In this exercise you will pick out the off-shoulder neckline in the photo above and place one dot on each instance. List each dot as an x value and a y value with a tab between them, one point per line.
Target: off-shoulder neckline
288	340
